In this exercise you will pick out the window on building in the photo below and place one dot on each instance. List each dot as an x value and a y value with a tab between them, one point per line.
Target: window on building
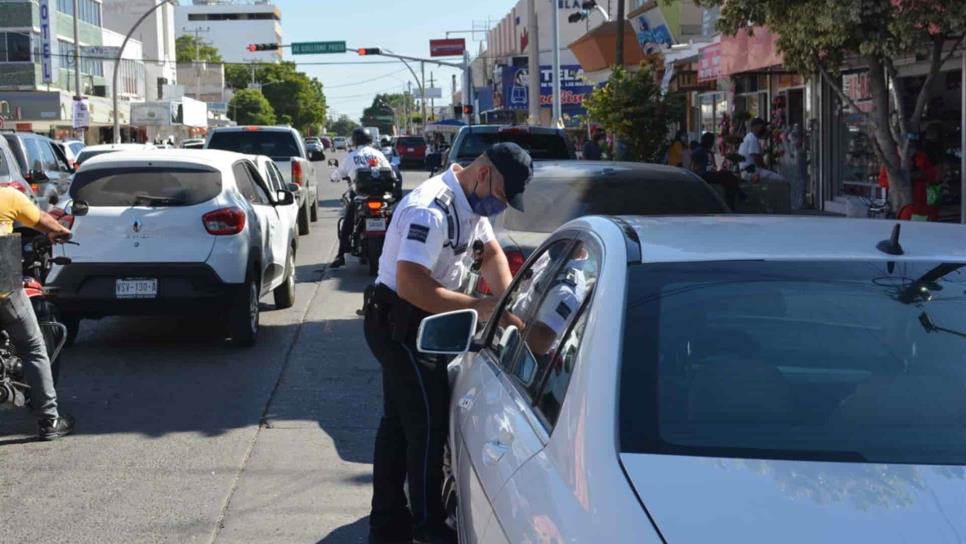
18	47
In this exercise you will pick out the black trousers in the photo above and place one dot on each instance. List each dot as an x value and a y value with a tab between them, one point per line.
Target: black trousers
348	223
412	432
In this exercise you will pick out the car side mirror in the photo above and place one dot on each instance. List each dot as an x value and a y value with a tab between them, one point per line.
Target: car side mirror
78	208
316	156
334	163
38	176
293	188
449	333
284	198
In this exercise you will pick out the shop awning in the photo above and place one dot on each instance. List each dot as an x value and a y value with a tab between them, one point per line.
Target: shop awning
749	53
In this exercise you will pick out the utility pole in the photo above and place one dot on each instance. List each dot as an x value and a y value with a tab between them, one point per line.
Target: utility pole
620	34
557	108
533	93
197	31
78	95
432	101
422	68
409	115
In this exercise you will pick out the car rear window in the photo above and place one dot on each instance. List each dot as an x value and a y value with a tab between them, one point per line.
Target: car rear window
88	154
845	361
280	146
151	186
550	203
540	146
411	141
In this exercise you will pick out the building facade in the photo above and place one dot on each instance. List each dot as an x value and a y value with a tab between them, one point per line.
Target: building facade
156	33
231	25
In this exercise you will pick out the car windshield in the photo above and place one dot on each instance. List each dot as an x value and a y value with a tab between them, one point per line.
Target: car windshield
540	146
550	203
150	186
279	145
828	361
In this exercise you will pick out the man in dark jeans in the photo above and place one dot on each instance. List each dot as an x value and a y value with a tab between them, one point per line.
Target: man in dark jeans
592	150
17	318
702	164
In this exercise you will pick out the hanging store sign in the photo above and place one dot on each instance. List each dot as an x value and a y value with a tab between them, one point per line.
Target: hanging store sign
82	113
515	78
48	31
709	66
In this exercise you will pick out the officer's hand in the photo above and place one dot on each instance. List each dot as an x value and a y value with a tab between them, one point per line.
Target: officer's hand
484	307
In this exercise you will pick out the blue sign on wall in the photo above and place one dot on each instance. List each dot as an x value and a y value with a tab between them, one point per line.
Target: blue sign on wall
573	87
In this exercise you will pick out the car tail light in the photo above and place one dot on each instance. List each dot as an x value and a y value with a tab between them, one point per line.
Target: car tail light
21	186
225	222
515	259
251	129
298	175
375	205
515	130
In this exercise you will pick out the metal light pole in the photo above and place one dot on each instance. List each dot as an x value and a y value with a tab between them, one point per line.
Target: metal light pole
534	63
962	130
117	62
77	65
620	33
557	108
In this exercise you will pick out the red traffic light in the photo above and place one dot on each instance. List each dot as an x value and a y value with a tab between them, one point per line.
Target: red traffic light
253	47
364	51
467	110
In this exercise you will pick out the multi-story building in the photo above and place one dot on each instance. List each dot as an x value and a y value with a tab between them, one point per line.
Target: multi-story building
156	33
231	25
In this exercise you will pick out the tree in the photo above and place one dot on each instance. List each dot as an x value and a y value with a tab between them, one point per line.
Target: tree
187	48
343	126
250	107
380	114
820	36
631	107
296	98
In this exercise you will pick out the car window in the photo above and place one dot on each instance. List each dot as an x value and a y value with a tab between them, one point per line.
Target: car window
246	185
146	186
278	145
563	299
18	151
35	154
48	157
261	184
274	177
4	167
520	303
411	142
556	380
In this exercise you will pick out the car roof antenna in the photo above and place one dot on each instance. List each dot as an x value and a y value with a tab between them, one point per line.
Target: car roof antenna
892	246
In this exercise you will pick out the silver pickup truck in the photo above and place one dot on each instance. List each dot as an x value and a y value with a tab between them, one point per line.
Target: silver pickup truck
286	147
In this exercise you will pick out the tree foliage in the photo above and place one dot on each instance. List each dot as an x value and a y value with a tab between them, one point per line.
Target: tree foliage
631	107
343	126
296	98
250	107
187	47
381	114
822	36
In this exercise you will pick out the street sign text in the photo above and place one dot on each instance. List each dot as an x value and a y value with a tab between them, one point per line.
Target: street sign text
317	48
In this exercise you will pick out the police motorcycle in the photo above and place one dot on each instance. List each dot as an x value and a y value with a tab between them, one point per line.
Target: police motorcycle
375	197
38	259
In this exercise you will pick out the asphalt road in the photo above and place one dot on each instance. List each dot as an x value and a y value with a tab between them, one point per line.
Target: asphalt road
182	438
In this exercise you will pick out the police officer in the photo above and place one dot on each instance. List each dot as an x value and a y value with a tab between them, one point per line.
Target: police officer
418	274
363	155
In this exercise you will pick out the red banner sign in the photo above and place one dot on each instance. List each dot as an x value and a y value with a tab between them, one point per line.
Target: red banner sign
447	48
709	65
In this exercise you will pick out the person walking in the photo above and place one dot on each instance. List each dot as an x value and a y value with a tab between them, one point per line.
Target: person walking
753	166
592	150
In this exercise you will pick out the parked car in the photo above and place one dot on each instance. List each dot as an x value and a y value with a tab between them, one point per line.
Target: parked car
543	144
561	191
43	165
175	231
10	174
92	151
411	150
753	379
313	143
285	146
193	143
71	149
75	146
326	142
340	143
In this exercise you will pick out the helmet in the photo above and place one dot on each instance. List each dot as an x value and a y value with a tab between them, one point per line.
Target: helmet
361	137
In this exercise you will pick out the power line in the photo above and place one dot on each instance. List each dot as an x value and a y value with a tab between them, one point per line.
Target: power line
370	93
365	81
246	64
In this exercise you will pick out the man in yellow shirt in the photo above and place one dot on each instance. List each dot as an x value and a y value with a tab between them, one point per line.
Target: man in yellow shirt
17	318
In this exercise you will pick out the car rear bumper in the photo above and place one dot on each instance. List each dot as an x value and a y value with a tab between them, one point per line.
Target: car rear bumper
88	289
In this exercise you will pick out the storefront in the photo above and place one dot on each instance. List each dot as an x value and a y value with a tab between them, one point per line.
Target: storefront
52	114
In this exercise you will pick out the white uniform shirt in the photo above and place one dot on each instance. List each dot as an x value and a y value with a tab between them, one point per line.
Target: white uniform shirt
749	146
360	157
424	233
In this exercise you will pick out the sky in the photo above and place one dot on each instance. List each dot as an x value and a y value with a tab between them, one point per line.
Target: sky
404	27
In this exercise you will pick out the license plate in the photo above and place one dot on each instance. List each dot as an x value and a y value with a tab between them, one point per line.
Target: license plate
411	149
136	288
376	225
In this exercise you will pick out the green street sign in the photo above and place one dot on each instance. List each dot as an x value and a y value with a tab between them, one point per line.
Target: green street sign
317	48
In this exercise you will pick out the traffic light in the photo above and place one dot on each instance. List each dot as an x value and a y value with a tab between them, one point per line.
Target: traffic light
365	51
457	110
253	47
468	109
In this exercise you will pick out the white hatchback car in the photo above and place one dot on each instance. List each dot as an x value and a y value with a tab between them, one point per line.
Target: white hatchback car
276	182
176	231
716	379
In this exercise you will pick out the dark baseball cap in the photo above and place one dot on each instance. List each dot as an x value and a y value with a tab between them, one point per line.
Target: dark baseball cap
516	167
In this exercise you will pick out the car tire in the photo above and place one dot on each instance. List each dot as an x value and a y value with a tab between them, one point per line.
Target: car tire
450	497
303	221
373	252
243	321
285	293
314	212
72	322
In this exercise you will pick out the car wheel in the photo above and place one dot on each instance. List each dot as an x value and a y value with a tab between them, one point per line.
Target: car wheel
450	498
243	321
373	252
72	322
303	221
285	293
315	210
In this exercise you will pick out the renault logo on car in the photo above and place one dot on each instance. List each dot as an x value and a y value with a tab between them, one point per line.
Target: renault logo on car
138	225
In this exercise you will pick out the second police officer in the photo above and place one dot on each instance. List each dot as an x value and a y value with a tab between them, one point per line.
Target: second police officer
419	273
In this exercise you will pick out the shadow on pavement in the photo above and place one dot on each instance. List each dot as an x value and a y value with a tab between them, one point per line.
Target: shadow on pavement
353	533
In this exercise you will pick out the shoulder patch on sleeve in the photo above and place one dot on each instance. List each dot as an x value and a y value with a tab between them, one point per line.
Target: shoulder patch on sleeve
563	310
418	233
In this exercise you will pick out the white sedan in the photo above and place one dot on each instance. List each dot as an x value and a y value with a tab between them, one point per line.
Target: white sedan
717	379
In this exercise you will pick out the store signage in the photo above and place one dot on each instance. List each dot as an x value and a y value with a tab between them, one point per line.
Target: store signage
153	114
709	66
447	48
857	86
573	86
652	31
432	93
48	31
100	51
82	113
218	107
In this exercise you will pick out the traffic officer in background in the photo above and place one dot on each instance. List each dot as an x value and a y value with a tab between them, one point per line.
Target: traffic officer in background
419	273
363	155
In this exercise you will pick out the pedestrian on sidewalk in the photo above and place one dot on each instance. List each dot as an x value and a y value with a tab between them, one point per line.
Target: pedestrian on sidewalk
419	274
592	150
753	166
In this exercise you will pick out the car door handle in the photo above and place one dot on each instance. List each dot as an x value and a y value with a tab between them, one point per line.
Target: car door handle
466	402
494	451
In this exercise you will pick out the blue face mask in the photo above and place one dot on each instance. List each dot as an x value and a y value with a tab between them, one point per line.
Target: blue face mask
487	206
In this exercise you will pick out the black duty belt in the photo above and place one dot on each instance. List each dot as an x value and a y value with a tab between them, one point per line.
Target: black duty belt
402	316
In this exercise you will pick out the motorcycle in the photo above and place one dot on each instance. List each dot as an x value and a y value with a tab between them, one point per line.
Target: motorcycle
372	196
38	259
